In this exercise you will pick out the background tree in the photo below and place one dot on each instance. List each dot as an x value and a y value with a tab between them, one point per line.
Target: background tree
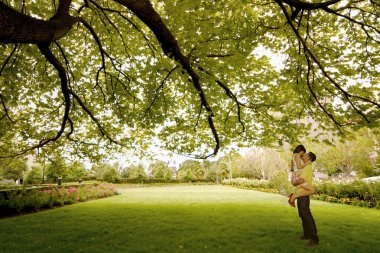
76	171
136	172
34	175
13	168
360	155
194	73
191	170
223	168
160	170
212	171
125	172
56	168
229	164
105	171
260	163
111	176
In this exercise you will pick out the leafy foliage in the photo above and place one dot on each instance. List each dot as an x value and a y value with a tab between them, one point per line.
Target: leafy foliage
191	170
106	171
135	172
354	193
199	75
12	168
160	170
359	155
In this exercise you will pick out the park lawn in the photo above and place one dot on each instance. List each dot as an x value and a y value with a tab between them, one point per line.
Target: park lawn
206	218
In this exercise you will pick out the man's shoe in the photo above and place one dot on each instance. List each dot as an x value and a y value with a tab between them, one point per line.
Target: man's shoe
313	243
302	237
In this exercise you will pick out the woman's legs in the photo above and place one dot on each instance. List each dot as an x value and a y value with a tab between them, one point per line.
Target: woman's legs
308	190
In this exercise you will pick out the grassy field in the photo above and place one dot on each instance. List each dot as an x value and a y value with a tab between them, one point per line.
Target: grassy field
190	219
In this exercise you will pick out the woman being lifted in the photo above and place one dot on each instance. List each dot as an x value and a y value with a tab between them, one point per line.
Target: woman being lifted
295	178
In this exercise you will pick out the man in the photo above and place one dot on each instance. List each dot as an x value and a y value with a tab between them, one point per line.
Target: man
303	201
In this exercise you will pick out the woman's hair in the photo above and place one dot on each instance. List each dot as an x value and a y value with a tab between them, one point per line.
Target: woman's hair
299	148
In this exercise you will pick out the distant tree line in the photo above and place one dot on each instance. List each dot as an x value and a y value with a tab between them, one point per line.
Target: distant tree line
360	154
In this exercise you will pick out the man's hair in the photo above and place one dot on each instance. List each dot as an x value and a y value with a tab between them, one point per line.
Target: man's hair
299	148
312	156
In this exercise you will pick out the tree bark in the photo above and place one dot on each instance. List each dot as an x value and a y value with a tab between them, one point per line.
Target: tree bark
144	10
16	27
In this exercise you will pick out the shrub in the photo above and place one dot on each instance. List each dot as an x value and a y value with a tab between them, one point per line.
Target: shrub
7	184
355	193
35	199
247	183
34	176
281	183
111	176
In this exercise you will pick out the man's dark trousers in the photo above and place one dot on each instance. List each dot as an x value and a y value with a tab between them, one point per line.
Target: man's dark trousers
308	224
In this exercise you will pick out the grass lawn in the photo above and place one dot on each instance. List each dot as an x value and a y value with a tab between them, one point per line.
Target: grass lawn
205	218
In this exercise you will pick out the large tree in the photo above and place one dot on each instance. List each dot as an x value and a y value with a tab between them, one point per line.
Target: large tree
84	74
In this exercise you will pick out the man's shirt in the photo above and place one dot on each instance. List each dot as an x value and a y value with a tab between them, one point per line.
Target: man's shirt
307	175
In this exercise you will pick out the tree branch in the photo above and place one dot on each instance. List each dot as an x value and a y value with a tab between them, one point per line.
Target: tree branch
97	122
44	48
308	5
158	89
315	96
231	95
5	109
143	9
50	57
324	72
8	59
16	27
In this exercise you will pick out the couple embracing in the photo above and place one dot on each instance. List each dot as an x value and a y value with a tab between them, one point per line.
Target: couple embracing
302	179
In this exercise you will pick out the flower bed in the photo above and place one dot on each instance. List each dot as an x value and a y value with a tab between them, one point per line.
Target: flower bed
30	200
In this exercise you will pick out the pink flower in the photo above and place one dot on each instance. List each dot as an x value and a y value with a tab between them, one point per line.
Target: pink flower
48	191
71	190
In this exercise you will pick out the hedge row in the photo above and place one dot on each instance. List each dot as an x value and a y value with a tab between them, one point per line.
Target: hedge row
248	183
354	193
158	180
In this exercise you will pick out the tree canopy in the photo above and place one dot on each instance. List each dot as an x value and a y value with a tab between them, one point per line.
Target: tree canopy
191	75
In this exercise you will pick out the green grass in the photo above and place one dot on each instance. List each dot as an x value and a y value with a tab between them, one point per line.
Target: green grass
190	219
